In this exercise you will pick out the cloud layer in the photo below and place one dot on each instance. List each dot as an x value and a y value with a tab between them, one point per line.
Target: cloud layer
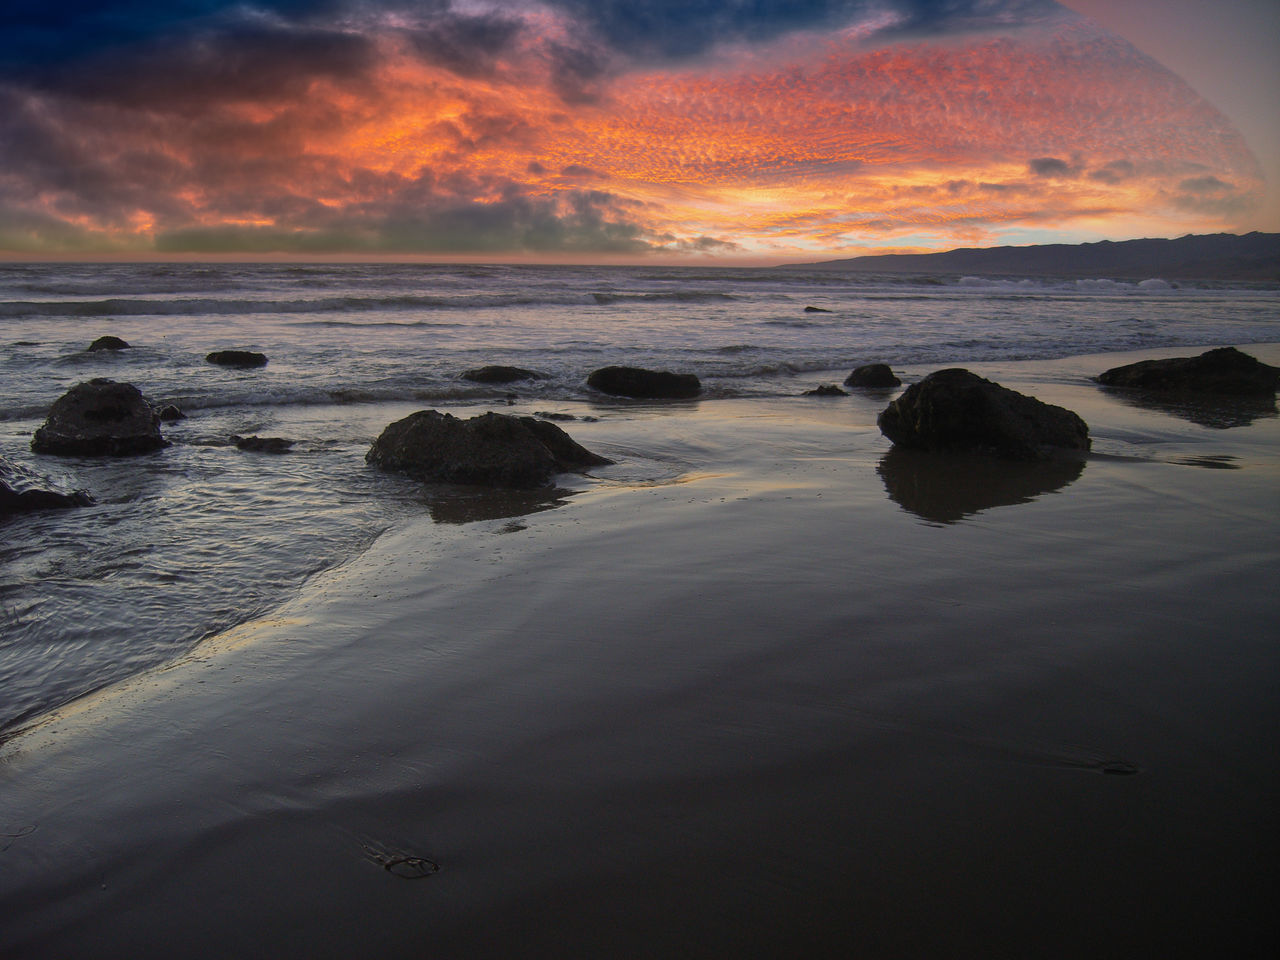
585	130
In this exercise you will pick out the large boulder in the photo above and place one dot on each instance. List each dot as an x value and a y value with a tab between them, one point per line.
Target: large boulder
108	343
100	418
23	490
494	450
1223	371
238	359
875	375
500	374
645	384
955	410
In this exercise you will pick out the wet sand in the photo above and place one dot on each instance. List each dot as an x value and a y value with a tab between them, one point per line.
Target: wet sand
761	689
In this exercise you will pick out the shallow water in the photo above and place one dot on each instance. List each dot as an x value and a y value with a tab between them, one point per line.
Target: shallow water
189	540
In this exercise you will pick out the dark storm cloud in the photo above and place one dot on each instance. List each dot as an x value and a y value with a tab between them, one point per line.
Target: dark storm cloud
1051	167
581	222
680	28
41	39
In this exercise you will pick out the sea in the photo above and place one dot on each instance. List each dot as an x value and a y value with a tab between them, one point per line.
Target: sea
196	538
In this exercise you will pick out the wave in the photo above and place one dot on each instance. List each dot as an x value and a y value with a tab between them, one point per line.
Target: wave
199	306
674	296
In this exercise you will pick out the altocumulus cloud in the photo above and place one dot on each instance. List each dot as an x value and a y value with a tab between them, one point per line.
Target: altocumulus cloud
587	127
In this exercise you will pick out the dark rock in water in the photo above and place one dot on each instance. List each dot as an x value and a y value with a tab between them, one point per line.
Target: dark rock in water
100	418
1225	370
550	415
955	410
108	343
947	487
645	384
169	412
826	390
500	374
242	359
23	490
263	444
494	449
815	310
872	375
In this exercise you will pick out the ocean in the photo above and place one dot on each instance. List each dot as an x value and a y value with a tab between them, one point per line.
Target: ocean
196	538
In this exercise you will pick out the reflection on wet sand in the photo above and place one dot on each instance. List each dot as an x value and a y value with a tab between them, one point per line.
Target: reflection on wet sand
454	504
1218	411
946	488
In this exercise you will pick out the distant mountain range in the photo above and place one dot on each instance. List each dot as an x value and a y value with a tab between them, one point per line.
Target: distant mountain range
1216	256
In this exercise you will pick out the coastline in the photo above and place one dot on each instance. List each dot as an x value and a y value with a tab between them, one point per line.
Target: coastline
740	693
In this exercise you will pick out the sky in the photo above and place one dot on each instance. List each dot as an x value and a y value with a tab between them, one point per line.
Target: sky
734	131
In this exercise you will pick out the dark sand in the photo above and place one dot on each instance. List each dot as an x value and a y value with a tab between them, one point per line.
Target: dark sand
759	691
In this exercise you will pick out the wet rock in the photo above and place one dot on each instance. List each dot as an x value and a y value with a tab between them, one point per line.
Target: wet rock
826	390
815	310
240	359
500	374
872	375
108	343
1222	371
256	444
645	384
169	412
955	410
100	418
494	449
23	490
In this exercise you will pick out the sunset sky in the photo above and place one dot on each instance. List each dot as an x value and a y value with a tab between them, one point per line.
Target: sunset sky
624	130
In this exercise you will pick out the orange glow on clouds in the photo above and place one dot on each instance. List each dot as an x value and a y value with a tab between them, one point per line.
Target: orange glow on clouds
816	147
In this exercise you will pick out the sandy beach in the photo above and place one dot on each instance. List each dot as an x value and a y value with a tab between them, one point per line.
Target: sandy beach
760	689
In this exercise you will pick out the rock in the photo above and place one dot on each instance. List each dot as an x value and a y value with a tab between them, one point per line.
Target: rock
100	418
955	410
872	375
494	449
169	412
645	384
1224	371
500	374
23	490
242	359
815	310
257	444
826	390
108	343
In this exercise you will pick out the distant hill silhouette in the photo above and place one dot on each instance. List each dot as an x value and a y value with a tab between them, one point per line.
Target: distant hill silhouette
1217	256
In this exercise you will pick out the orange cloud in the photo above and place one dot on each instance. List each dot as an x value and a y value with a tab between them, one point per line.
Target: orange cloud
816	144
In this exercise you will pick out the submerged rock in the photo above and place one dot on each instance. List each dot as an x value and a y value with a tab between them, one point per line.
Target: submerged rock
816	310
23	490
494	450
826	390
872	375
955	410
241	359
500	374
1223	371
644	384
170	412
108	343
256	444
100	418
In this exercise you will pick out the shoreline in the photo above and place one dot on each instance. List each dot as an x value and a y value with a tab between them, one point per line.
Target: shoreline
732	694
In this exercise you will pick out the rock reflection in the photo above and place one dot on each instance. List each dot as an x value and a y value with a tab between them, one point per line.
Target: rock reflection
946	488
471	504
1218	411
